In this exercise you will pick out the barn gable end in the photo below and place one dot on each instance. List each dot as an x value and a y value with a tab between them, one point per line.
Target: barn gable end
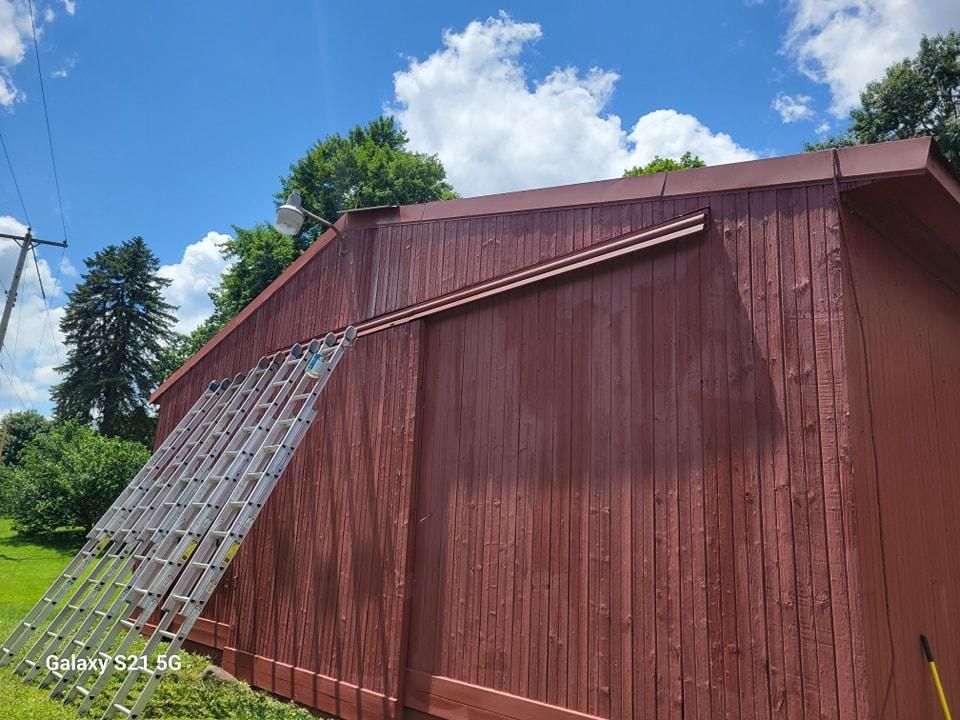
626	489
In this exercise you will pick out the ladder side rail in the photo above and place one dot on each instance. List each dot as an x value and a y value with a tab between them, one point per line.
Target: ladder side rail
110	565
204	508
167	450
180	536
89	561
151	601
101	615
93	547
289	438
131	529
250	499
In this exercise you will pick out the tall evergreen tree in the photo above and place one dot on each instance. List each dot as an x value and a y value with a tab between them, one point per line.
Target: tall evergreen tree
115	327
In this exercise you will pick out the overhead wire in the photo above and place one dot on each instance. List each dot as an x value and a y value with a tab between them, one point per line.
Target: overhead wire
48	321
46	116
16	184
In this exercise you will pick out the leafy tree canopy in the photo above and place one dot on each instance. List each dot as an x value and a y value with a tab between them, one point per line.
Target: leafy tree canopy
115	327
663	164
19	429
371	166
68	476
917	96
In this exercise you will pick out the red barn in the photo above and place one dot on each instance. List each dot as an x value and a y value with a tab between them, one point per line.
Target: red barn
682	445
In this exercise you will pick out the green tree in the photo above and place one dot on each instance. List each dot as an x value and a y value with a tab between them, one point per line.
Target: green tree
259	254
115	327
664	164
68	476
19	429
371	166
916	96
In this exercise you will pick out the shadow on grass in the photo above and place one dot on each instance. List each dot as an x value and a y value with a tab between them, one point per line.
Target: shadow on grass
64	539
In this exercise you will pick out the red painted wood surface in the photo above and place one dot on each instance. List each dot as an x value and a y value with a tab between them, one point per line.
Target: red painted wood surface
904	347
627	492
628	478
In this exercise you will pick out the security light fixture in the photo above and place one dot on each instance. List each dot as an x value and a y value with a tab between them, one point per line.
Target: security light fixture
291	214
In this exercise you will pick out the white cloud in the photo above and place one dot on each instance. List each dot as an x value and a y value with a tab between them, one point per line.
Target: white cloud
470	102
64	70
822	128
197	273
845	44
16	35
793	107
34	345
9	93
70	6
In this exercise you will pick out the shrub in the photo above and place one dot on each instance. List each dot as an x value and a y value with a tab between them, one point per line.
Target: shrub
68	476
21	428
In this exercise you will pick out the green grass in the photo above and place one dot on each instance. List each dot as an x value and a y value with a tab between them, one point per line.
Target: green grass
27	567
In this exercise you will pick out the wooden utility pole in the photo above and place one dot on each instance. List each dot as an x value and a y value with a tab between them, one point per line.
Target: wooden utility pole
26	242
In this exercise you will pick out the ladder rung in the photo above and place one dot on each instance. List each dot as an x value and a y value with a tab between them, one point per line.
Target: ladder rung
237	503
181	599
264	406
82	690
123	709
201	565
271	449
302	396
167	634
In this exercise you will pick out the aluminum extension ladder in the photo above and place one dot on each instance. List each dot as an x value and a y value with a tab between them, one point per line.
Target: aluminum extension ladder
165	542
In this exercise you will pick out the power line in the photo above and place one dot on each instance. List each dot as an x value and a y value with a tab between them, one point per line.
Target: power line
46	115
13	386
15	183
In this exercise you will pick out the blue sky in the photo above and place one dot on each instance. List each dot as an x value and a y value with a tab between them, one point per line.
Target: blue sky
173	120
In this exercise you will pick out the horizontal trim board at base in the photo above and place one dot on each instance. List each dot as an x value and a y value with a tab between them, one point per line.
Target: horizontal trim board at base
343	699
211	633
455	700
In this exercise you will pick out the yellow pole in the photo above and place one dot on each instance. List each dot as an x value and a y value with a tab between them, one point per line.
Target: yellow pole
936	676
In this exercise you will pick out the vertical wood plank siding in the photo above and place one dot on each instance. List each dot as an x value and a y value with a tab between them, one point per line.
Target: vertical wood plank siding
628	487
905	401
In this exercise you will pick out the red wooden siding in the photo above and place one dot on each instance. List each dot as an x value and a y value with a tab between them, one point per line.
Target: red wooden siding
627	491
630	488
904	346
